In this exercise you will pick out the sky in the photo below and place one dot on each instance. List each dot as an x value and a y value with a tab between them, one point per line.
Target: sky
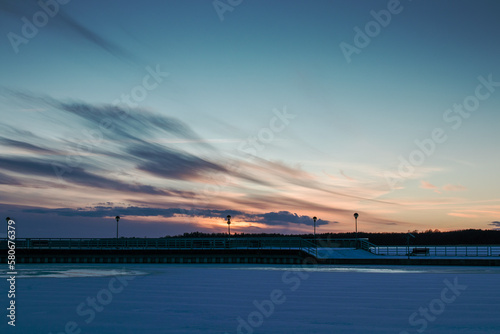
175	114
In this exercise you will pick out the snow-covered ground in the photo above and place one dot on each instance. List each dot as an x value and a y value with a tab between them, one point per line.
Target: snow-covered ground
343	253
352	253
154	298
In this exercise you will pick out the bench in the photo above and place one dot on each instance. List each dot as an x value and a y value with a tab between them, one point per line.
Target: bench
417	251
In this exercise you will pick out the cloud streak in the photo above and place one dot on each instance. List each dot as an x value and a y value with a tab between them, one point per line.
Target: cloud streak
9	180
167	163
77	176
451	187
25	146
68	24
495	223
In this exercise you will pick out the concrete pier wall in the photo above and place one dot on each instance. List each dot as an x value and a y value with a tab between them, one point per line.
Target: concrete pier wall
228	256
158	256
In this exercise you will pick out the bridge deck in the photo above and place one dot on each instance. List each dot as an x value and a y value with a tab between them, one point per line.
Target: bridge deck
239	250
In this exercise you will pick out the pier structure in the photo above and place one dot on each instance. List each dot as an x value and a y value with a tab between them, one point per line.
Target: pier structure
243	250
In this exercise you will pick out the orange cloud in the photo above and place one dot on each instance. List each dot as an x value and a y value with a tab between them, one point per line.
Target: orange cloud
427	185
462	215
451	187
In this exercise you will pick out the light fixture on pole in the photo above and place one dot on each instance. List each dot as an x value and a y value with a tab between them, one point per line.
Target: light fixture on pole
117	219
315	240
408	243
229	225
356	215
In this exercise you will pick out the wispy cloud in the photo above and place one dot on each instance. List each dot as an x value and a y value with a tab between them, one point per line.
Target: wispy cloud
167	163
495	224
127	123
462	215
77	176
68	24
452	187
448	187
25	146
428	185
7	179
344	175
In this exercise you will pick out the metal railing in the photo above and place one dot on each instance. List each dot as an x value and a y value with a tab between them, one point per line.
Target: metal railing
164	243
361	243
442	251
291	243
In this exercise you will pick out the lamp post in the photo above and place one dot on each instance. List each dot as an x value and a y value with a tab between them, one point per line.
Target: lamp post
356	224
315	240
117	219
229	225
408	243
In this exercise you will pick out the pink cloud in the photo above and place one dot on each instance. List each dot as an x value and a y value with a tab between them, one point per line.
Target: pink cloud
451	187
427	185
347	177
462	215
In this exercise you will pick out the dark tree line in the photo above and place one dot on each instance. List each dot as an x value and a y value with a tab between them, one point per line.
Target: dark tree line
460	237
429	237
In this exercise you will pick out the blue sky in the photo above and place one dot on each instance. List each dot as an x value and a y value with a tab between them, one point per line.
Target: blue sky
259	113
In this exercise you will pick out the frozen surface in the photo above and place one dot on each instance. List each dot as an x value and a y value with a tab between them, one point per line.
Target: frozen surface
253	299
344	253
352	253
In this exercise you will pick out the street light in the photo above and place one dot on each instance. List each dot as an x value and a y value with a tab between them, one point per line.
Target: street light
229	225
356	222
408	243
315	240
117	219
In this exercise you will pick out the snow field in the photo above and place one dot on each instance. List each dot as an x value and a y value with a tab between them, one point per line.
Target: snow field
256	299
